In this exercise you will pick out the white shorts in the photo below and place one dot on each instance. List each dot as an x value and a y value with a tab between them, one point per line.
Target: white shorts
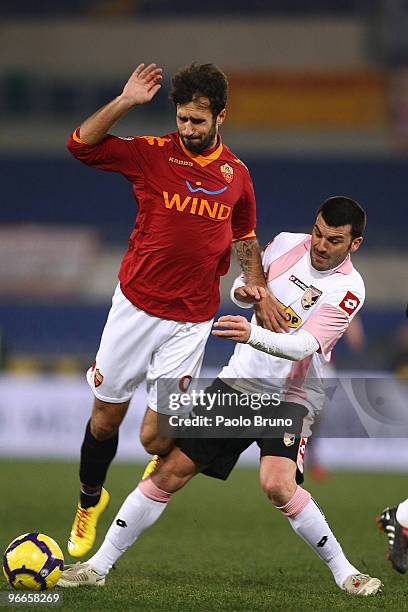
136	346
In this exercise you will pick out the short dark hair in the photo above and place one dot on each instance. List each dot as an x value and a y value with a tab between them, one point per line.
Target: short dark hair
340	210
200	80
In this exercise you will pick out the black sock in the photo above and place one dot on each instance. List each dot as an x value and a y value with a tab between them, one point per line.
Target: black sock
90	499
96	457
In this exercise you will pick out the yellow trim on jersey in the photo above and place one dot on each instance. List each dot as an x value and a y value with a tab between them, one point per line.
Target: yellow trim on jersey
239	161
250	235
77	139
201	159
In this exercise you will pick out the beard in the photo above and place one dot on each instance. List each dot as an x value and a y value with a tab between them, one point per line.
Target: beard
199	145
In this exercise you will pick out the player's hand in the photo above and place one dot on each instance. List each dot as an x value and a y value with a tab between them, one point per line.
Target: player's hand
250	294
270	314
235	328
142	85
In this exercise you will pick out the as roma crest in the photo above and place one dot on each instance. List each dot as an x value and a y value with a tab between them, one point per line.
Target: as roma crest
227	172
310	297
98	378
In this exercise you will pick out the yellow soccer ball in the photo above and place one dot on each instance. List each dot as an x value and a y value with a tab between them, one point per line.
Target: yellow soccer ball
33	561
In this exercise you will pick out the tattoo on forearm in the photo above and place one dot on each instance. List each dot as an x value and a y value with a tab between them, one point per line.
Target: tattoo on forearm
248	255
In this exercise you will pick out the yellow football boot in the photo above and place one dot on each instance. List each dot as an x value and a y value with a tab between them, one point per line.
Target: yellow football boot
151	466
83	530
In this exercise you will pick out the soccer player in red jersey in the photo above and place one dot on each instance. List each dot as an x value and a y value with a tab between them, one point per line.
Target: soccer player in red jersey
194	199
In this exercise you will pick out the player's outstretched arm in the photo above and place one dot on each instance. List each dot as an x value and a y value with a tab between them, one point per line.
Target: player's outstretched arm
142	85
269	311
294	347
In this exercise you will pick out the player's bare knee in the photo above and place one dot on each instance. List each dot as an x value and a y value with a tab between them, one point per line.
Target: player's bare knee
106	418
103	429
277	488
154	444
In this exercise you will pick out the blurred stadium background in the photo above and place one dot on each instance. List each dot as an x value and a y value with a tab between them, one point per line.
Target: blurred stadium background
318	106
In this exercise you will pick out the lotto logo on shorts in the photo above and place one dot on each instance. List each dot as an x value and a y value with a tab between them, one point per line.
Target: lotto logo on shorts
98	378
349	303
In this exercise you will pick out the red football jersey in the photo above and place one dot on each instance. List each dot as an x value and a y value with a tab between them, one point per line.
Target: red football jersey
190	208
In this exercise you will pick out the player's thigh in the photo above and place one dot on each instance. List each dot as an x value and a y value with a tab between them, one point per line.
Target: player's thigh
176	362
281	460
107	417
277	473
129	340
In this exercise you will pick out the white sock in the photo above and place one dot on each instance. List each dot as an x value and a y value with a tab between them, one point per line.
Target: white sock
137	513
402	513
311	525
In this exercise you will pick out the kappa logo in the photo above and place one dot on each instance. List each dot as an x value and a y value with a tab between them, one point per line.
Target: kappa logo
310	297
289	439
180	162
227	172
98	378
349	303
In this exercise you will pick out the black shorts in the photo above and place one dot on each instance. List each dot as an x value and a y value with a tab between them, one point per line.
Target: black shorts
218	456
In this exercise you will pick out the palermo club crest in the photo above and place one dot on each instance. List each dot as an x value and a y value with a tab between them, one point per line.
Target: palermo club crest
227	172
310	297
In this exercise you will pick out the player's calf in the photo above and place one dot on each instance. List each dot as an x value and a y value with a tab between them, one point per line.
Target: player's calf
106	419
174	471
152	441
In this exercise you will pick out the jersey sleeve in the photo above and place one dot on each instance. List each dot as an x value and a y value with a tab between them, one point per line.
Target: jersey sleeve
114	153
332	318
244	211
278	246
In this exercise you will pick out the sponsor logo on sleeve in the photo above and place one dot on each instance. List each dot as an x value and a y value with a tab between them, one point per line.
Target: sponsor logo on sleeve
349	303
310	297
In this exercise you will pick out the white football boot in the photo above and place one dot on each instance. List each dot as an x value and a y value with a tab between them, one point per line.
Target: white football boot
362	584
80	574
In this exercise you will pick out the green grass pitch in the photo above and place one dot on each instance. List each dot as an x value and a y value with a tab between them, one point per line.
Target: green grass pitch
218	546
